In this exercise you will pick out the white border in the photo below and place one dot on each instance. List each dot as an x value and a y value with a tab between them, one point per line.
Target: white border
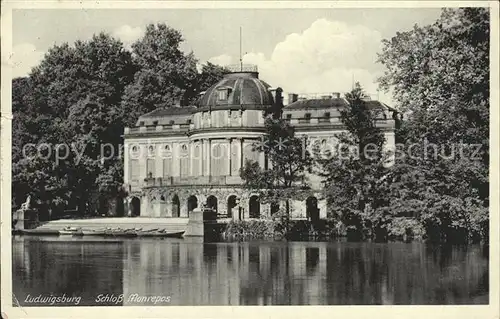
483	312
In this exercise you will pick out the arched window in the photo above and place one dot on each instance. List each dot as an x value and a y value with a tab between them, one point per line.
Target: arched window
312	211
254	207
151	150
231	206
135	207
176	207
216	152
192	203
212	203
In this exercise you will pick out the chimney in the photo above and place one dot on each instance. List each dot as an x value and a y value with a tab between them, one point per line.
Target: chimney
326	97
273	92
336	95
292	97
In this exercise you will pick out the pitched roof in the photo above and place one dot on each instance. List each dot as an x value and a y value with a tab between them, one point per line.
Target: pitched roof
331	103
316	104
172	111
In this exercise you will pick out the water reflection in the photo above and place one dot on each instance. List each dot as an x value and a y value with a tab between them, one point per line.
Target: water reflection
297	273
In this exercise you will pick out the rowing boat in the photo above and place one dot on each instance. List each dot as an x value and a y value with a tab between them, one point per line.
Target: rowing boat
120	233
67	232
160	234
93	233
39	232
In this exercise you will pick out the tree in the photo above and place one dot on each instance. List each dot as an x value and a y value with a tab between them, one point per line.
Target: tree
210	74
289	162
354	174
440	77
166	75
74	97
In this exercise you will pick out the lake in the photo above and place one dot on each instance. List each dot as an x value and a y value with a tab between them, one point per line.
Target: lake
190	272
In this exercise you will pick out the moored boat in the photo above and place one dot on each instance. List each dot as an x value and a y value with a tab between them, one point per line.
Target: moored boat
93	232
160	234
39	231
120	233
69	231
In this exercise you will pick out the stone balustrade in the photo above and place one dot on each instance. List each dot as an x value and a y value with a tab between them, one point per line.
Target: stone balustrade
192	180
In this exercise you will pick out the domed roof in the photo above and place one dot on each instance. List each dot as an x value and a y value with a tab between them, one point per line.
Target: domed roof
242	88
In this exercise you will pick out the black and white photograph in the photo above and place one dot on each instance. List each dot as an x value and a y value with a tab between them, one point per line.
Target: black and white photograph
249	154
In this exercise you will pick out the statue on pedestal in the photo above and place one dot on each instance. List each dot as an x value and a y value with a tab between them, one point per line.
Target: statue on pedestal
26	204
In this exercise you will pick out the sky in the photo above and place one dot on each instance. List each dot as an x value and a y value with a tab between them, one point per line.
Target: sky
300	50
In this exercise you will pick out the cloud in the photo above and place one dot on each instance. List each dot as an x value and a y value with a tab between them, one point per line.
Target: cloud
127	34
223	59
323	58
24	57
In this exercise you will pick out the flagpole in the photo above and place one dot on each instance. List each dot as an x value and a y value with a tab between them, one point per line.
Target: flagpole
241	58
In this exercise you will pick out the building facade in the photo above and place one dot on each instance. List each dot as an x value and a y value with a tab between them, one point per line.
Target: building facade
179	158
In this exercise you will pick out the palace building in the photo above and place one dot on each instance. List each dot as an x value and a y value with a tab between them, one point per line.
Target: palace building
179	158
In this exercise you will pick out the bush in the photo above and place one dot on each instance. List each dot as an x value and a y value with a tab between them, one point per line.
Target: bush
406	229
254	229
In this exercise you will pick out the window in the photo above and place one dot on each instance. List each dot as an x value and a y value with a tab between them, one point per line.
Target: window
188	121
171	122
167	148
217	153
141	123
184	147
222	95
289	116
325	118
306	118
155	123
151	151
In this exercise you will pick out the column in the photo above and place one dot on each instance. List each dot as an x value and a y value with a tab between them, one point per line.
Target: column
183	206
126	165
262	159
128	206
205	146
209	155
201	160
143	163
159	160
191	155
176	160
244	202
229	171
241	153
